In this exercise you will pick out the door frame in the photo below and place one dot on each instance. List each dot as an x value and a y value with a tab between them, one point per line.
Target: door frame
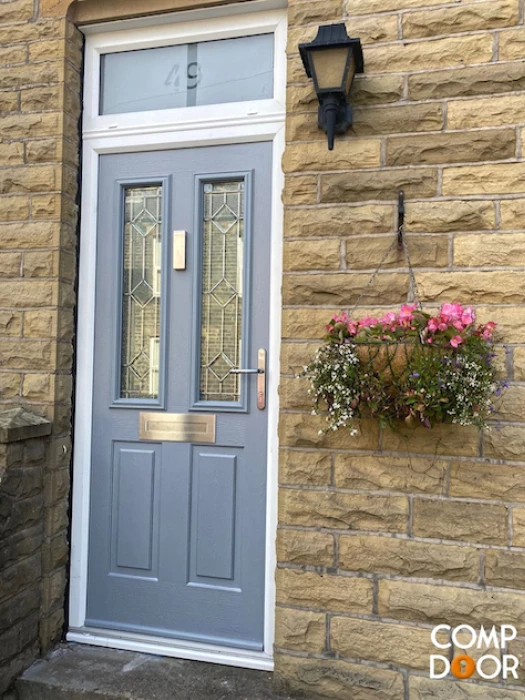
170	129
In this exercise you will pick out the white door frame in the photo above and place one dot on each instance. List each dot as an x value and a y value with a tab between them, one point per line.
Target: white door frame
242	122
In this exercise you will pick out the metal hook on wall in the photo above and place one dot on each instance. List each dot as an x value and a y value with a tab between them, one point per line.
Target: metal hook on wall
400	219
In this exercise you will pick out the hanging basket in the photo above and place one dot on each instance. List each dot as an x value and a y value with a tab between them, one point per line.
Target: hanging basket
390	360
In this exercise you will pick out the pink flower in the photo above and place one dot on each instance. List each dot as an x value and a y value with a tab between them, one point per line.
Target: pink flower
488	329
352	327
468	316
369	321
433	325
407	310
456	340
388	319
343	318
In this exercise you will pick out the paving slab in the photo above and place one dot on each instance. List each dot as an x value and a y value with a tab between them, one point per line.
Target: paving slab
80	672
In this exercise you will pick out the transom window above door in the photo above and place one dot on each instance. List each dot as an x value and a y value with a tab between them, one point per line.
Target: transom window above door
188	75
228	73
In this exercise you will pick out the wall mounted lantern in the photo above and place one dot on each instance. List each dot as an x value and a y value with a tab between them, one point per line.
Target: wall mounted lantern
332	59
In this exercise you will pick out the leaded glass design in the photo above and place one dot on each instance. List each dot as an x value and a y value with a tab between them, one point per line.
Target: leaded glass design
222	290
141	293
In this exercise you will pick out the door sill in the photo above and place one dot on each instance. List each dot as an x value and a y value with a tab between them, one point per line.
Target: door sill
176	648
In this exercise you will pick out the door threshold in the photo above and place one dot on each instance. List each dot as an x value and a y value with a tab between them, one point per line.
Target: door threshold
176	648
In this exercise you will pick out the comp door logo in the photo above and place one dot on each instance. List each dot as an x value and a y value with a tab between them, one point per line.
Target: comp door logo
484	641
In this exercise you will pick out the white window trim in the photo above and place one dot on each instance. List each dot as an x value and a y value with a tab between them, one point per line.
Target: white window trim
242	122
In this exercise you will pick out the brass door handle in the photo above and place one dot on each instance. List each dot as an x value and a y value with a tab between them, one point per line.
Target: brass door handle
260	371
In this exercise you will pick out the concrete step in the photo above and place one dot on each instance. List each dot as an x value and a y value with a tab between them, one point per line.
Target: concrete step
79	672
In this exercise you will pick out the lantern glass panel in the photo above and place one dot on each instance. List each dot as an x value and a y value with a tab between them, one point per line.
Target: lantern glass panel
329	67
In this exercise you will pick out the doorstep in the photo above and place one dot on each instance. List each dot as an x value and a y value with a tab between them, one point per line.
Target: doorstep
80	672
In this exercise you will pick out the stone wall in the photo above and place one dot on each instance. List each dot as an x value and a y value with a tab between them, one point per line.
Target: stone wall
40	60
381	537
23	551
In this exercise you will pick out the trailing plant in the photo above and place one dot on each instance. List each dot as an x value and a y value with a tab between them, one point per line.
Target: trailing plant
409	366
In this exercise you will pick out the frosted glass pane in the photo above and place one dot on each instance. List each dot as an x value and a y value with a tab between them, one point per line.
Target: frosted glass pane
211	72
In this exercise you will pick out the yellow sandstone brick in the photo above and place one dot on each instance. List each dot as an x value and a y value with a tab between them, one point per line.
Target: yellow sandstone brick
32	355
489	111
436	53
47	50
519	364
339	221
302	430
345	288
392	555
381	184
37	387
294	395
24	294
512	44
40	324
512	214
307	468
300	189
462	18
16	11
433	604
312	255
331	509
458	147
9	385
11	153
518	527
485	79
442	217
505	442
426	251
498	178
294	357
322	591
376	472
347	155
399	645
358	7
485	480
457	520
394	119
497	287
504	569
304	547
10	265
300	630
506	250
442	439
313	11
29	179
10	323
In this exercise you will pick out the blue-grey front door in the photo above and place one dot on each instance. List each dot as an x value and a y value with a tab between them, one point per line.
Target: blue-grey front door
178	481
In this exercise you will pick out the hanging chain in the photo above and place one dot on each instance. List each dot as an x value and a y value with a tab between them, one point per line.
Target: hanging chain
373	276
413	288
400	241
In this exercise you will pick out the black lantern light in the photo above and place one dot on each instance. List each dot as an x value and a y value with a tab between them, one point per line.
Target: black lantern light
332	59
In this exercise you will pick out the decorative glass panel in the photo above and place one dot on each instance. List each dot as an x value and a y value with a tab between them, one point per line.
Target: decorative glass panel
141	293
222	290
210	72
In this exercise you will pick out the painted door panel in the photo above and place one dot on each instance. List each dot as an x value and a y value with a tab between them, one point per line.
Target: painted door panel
177	529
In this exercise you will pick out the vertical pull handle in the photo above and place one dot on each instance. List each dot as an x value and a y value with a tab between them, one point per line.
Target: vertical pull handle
260	371
179	250
261	379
